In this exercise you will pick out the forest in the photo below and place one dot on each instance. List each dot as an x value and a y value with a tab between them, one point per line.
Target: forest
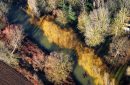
66	42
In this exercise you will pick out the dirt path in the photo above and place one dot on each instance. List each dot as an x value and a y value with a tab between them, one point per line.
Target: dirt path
8	76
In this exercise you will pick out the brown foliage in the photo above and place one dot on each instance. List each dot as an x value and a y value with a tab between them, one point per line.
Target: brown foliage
32	54
31	77
119	51
13	36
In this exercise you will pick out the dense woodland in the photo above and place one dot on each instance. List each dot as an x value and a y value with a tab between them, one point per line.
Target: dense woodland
67	42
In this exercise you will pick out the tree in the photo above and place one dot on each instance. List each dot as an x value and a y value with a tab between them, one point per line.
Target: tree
83	21
32	54
98	3
14	34
61	17
33	6
74	2
51	5
95	25
3	9
42	6
119	22
115	5
58	67
6	57
65	15
119	51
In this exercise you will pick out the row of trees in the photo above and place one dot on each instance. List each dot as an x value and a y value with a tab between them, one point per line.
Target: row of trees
106	18
95	26
57	66
102	22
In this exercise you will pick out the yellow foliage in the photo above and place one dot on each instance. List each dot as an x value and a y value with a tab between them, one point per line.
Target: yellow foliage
63	38
66	38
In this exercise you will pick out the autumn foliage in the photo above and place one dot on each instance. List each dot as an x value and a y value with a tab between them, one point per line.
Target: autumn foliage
67	39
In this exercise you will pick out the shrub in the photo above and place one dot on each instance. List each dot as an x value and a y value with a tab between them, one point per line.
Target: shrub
119	51
58	67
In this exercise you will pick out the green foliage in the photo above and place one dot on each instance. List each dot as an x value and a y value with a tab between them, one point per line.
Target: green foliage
66	15
71	14
58	67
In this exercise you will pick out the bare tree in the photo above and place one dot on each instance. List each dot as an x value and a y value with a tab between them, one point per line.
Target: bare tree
119	51
14	34
5	55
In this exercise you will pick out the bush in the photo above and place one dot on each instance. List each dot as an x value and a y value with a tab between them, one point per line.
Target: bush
57	67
